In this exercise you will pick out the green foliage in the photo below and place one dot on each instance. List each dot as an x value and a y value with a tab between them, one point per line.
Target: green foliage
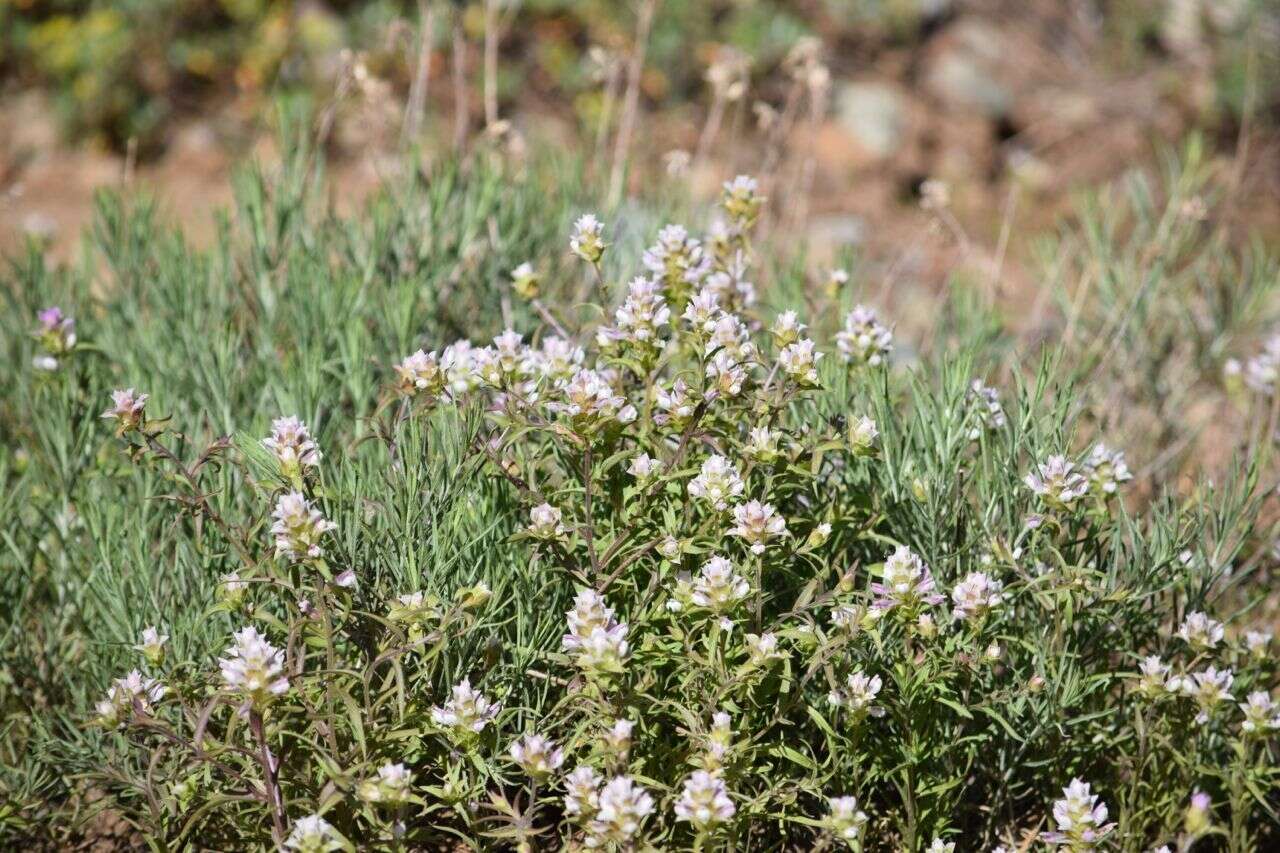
897	482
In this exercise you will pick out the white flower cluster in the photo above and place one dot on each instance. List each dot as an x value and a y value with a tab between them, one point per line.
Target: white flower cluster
906	582
126	695
537	756
756	523
597	641
718	483
1080	818
254	668
864	341
466	712
858	695
292	446
612	813
298	528
1057	482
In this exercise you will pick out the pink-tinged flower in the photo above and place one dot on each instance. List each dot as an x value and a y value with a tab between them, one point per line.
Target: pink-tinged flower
676	405
1261	715
718	483
292	446
591	402
786	329
1080	818
1153	677
756	523
1262	371
726	376
1106	469
1057	482
133	693
467	711
618	738
742	201
799	361
864	341
1208	688
986	402
643	467
597	641
677	259
254	668
1198	817
858	695
298	528
56	335
392	785
975	596
718	587
421	373
704	803
537	756
622	807
582	793
545	522
845	820
587	241
1201	632
730	336
702	311
127	410
906	582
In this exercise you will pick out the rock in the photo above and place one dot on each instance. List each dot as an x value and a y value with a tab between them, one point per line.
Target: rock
874	114
964	74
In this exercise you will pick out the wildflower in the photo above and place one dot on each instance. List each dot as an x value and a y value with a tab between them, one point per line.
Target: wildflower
718	588
741	200
762	444
848	617
987	400
642	313
1261	714
704	802
677	259
669	547
466	712
56	334
1153	677
559	360
127	410
845	820
587	241
254	667
391	786
459	361
992	653
127	695
677	405
298	528
1080	819
643	467
1257	642
420	373
800	361
786	329
725	376
1201	632
525	281
702	311
730	336
756	523
974	596
864	340
1262	371
1106	469
1057	482
597	640
858	695
545	522
862	436
292	446
152	645
582	793
940	846
907	582
1198	819
719	741
730	284
313	834
411	608
537	756
591	402
819	535
231	589
623	806
1208	688
618	738
762	648
475	596
717	483
926	627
